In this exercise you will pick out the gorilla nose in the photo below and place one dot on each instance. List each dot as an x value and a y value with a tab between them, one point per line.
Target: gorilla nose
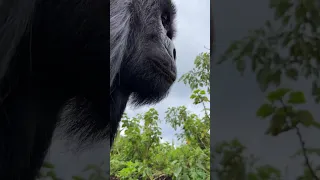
171	49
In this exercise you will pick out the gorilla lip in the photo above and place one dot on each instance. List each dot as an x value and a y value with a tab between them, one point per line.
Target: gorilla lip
171	76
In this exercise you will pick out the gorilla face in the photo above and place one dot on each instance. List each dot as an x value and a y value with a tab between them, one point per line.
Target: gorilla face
149	67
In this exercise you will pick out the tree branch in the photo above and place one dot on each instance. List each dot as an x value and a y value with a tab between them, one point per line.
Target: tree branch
302	143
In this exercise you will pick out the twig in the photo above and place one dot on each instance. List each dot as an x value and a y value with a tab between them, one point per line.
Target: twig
304	151
302	143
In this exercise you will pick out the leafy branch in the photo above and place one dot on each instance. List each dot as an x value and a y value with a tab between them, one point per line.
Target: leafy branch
280	122
298	39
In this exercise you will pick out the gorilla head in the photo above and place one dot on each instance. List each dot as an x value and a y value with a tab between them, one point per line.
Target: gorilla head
147	68
142	31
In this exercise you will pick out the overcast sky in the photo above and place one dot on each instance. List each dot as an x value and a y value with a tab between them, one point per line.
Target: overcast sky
193	37
235	99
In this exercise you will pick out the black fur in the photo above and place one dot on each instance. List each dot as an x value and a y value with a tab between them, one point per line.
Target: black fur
53	70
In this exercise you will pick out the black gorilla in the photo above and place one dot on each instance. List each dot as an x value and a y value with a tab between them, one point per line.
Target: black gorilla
53	69
146	70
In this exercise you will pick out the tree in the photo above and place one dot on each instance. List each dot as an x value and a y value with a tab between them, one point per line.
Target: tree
286	52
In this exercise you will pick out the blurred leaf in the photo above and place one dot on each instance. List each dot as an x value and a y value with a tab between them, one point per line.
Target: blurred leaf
277	94
48	165
77	178
296	97
305	117
265	110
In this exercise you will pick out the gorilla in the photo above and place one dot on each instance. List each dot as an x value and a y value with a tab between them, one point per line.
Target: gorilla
53	71
146	69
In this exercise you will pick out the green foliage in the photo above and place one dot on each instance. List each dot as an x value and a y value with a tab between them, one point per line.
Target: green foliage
291	52
296	98
48	171
265	110
285	117
97	172
199	76
235	165
277	94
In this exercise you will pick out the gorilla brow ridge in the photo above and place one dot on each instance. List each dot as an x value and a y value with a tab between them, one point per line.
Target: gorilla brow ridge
119	33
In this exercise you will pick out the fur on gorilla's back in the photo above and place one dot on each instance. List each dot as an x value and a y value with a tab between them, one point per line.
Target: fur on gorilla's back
46	52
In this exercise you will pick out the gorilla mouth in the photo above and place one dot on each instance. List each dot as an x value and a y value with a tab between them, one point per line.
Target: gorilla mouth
165	70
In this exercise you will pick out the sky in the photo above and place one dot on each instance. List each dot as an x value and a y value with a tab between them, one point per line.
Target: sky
235	99
193	38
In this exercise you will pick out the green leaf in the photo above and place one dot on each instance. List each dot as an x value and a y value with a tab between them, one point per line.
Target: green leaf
282	7
252	176
185	177
51	174
77	178
315	124
296	97
177	171
277	94
305	117
277	123
263	78
48	165
265	110
199	165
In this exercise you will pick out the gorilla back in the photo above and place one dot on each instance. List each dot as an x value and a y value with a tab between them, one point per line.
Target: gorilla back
53	69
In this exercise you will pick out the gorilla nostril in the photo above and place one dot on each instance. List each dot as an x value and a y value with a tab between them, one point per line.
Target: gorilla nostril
174	54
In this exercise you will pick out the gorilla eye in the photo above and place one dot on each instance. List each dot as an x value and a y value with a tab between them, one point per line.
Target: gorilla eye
164	19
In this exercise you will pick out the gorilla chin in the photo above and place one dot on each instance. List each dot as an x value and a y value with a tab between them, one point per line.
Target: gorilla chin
153	85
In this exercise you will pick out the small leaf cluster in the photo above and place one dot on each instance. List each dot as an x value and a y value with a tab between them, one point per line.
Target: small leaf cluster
285	117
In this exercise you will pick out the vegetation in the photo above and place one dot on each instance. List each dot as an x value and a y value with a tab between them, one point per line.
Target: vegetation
285	50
